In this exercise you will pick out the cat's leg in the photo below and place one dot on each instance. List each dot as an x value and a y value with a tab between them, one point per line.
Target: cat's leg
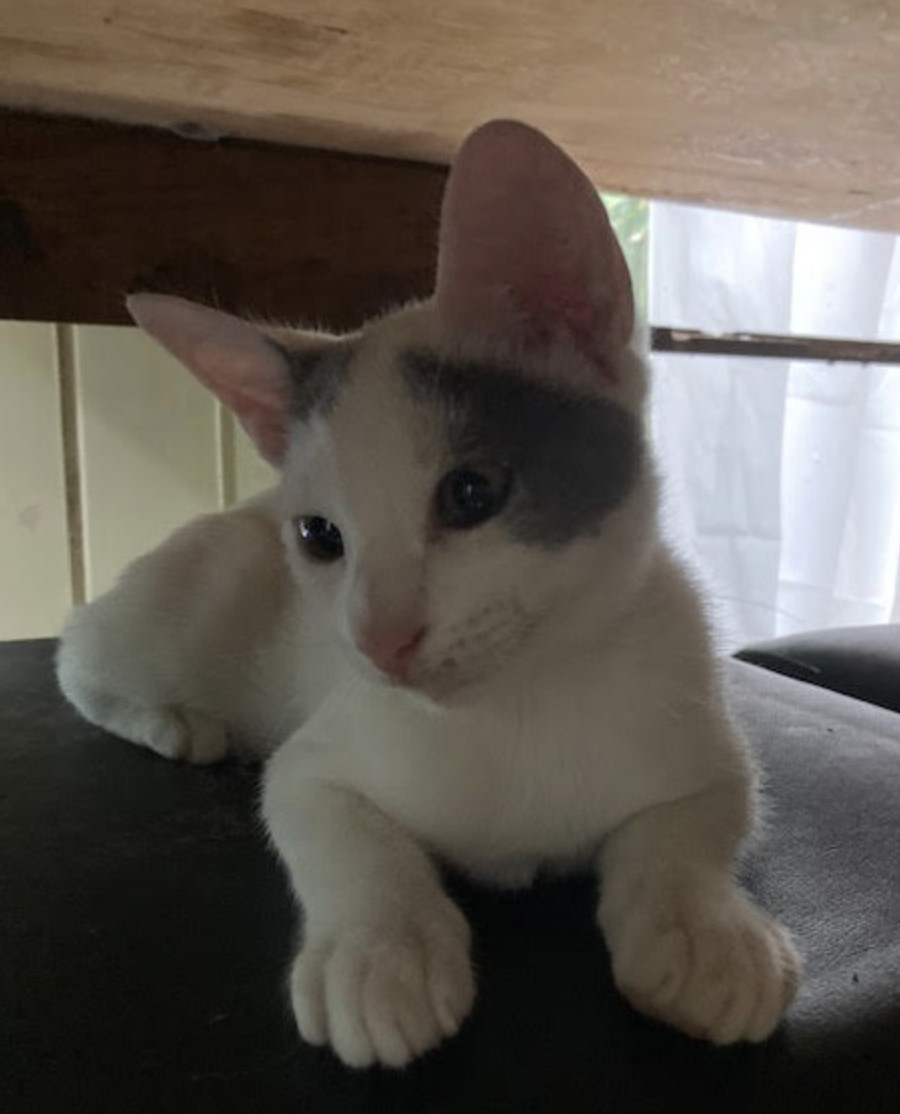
164	657
688	946
384	972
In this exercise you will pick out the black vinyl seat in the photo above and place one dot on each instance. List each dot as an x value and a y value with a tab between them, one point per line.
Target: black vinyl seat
145	930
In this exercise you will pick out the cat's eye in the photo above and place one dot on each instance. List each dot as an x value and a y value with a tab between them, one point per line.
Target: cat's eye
319	539
468	496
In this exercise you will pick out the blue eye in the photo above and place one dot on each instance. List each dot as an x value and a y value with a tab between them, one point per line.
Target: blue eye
466	497
319	539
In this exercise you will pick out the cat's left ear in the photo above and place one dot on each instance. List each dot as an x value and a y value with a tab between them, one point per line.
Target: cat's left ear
238	362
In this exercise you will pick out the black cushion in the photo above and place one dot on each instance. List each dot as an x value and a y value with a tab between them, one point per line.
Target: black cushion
145	930
863	662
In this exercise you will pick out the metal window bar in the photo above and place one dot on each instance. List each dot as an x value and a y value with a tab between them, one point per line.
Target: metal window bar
773	346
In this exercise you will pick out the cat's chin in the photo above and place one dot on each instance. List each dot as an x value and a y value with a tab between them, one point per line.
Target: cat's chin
435	692
442	688
425	691
446	690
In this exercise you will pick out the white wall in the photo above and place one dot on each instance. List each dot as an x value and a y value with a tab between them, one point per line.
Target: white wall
151	449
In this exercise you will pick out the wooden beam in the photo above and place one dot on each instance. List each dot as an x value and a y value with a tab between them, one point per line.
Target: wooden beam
691	342
90	211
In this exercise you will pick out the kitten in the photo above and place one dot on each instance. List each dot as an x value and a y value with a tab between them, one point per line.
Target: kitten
456	628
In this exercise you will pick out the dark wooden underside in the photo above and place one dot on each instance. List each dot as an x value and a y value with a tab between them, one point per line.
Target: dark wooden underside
90	212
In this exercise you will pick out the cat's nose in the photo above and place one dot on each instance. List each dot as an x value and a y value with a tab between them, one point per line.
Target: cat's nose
392	648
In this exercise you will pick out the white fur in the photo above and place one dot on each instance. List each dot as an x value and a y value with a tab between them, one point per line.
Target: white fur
566	712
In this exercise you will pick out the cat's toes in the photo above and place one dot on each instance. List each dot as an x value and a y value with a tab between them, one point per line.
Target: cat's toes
719	970
389	991
180	734
205	740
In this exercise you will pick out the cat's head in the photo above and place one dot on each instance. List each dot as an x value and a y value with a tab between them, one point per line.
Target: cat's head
464	481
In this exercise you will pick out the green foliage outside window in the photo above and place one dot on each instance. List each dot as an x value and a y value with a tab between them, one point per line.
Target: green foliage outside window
630	218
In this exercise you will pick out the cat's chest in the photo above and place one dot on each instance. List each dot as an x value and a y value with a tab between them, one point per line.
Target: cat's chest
540	778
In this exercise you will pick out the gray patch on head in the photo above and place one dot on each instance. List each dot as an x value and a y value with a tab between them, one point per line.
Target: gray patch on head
317	375
573	458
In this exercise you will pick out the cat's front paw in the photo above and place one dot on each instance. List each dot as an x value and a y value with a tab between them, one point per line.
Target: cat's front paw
389	990
708	963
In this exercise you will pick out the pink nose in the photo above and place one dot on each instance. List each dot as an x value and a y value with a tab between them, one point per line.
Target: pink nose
392	649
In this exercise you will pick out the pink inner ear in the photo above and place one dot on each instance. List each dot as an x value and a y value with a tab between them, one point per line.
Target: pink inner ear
231	357
526	249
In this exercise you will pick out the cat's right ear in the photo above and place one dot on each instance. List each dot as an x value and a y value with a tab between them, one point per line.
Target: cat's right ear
238	362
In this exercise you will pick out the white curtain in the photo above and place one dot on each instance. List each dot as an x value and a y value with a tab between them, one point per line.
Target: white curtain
782	478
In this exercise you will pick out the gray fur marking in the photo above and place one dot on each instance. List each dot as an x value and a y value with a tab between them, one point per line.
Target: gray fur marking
574	458
317	375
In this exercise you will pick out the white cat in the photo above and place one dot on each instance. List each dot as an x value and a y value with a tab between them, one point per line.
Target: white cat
456	625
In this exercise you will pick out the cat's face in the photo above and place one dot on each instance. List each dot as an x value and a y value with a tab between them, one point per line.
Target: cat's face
464	480
446	511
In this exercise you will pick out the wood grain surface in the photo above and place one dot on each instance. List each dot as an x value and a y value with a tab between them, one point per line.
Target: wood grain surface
788	107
